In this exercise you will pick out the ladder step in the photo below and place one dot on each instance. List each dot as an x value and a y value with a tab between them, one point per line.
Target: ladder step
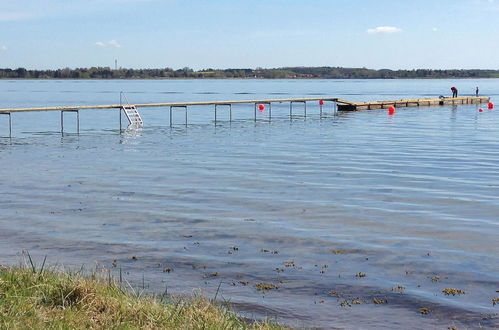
132	115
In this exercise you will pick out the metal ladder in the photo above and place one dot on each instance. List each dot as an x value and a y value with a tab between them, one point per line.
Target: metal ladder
133	115
131	112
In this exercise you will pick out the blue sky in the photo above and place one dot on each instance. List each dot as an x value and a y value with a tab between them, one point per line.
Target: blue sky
394	34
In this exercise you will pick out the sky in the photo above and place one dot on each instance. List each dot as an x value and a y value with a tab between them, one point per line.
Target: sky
202	34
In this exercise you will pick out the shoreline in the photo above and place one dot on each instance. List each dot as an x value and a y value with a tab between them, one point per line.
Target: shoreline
35	297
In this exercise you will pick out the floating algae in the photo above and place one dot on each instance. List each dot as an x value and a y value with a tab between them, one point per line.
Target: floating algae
424	310
345	303
399	288
380	301
450	291
262	286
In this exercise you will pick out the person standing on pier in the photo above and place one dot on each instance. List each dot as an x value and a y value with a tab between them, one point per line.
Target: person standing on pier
454	91
476	91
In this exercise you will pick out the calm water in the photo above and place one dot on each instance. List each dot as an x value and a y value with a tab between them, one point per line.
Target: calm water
410	200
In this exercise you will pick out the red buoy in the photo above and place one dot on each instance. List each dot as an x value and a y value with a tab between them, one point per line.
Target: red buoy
491	105
321	102
391	111
480	110
261	107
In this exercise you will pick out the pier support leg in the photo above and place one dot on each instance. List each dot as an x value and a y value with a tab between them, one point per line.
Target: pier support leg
77	120
270	109
334	106
230	111
304	108
10	122
171	113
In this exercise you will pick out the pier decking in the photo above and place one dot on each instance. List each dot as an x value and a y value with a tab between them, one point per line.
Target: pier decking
344	105
167	104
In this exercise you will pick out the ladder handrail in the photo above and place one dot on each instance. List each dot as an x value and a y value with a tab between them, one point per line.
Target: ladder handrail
123	95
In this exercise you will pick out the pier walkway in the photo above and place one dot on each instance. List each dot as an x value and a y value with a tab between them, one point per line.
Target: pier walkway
344	105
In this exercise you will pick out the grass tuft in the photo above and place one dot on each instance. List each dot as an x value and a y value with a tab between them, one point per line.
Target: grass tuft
49	299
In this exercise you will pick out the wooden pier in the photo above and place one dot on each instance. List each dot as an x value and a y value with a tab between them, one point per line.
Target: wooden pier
344	105
131	110
167	104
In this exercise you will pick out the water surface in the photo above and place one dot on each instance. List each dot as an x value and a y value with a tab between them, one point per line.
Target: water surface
310	205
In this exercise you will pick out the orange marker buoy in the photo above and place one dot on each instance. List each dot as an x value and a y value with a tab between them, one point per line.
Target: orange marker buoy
321	102
261	107
491	105
391	111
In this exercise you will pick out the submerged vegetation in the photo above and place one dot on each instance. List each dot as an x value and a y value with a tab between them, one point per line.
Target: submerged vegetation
276	73
34	299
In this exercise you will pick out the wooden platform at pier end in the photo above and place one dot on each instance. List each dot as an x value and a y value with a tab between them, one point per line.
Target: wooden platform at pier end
344	105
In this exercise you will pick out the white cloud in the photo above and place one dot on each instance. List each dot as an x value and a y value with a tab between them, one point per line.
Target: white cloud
384	29
114	43
434	29
3	47
111	43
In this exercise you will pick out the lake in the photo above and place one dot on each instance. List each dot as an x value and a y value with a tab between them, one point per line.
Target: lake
355	220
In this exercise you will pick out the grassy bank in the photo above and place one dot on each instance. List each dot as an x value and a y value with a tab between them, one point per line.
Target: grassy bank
41	300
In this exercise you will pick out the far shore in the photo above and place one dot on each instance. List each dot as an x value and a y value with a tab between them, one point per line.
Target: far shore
245	73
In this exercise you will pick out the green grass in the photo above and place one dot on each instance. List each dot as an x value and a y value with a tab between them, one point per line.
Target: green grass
31	298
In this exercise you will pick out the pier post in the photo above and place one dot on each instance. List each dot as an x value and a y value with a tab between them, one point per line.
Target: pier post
10	122
171	112
77	120
335	109
270	109
121	108
230	111
291	108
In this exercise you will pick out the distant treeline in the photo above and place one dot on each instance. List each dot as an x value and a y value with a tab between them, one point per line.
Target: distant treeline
279	73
